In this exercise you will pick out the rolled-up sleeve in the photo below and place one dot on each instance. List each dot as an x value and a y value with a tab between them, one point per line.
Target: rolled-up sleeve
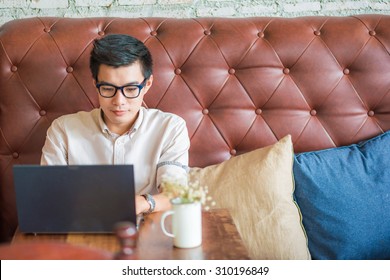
174	159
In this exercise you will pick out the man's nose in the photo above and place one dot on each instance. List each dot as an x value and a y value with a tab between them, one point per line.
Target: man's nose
119	98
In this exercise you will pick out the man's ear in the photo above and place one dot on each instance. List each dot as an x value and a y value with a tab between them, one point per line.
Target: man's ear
148	83
94	82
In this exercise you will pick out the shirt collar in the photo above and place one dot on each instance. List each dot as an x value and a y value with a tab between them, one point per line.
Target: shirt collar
136	125
102	124
139	120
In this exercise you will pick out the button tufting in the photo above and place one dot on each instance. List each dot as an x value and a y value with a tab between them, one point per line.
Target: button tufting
15	155
14	68
371	113
42	112
153	33
101	33
258	111
286	70
346	71
317	33
47	29
232	71
69	69
233	152
260	34
177	71
372	33
313	112
205	111
207	32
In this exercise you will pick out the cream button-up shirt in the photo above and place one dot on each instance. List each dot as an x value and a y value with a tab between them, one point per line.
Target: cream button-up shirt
157	143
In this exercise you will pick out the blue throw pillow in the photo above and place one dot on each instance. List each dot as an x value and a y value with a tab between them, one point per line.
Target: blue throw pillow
344	197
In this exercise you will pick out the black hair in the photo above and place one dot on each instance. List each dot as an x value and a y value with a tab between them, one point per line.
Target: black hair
120	50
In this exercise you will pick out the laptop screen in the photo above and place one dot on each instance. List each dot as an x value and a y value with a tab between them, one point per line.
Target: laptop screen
74	198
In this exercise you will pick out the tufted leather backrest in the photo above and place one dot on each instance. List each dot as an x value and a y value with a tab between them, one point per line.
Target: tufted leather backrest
240	84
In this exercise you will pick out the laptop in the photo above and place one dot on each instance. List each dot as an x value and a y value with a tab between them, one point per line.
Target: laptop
74	198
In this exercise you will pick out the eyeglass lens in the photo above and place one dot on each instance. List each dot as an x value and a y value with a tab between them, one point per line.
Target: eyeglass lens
128	91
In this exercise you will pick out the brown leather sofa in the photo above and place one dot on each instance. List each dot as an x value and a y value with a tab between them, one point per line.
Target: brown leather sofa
240	83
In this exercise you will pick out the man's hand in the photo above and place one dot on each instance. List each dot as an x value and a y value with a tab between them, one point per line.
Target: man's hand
141	205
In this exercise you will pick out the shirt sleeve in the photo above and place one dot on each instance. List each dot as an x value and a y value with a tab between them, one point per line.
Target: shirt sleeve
174	159
54	151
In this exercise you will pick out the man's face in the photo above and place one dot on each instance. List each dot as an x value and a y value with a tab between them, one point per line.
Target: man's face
120	112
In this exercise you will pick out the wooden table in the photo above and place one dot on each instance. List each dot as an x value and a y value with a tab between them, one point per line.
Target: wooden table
220	240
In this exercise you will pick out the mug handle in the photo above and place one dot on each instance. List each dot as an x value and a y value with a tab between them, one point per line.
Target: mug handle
162	222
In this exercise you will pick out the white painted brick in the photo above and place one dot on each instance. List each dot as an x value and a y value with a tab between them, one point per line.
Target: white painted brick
90	12
131	11
49	4
216	12
258	10
21	13
224	12
203	12
136	2
94	3
13	9
173	11
162	2
357	4
126	14
13	3
350	5
303	6
331	6
51	12
5	16
381	6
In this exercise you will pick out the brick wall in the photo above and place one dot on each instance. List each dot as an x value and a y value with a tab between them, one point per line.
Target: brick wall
12	9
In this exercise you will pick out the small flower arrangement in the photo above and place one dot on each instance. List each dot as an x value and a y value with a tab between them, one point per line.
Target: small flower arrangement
187	189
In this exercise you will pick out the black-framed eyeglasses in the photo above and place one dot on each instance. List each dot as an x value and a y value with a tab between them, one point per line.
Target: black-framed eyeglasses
108	90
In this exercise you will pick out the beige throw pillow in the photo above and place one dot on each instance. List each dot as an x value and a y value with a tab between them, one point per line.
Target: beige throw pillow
257	188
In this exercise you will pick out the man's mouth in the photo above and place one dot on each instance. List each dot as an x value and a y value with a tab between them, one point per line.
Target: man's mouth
119	112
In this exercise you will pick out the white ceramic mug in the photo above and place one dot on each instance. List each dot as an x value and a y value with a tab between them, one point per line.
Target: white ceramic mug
186	224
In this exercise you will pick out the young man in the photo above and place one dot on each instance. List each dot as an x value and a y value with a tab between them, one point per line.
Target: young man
121	131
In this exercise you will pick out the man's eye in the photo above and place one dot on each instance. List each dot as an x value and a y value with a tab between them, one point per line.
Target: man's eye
130	89
107	88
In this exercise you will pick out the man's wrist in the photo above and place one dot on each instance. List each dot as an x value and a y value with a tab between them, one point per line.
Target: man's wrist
152	203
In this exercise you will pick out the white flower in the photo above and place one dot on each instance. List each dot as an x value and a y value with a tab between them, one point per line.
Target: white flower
185	188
